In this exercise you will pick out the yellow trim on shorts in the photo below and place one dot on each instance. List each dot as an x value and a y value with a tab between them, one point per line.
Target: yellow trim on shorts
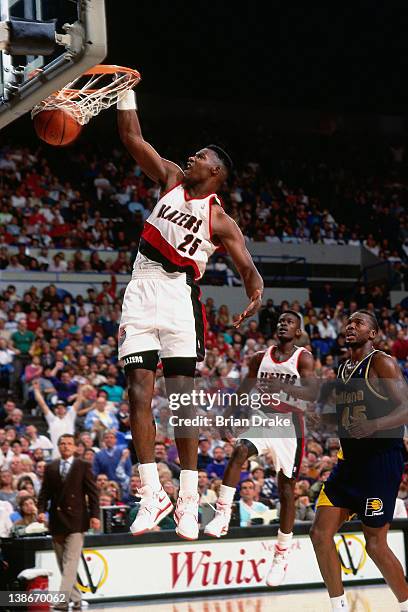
323	501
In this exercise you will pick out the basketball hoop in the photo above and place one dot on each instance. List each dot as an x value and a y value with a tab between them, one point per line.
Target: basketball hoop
97	89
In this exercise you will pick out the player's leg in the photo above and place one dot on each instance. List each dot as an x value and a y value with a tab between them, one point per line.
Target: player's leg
327	522
181	335
286	446
378	494
286	488
179	375
244	449
155	504
379	551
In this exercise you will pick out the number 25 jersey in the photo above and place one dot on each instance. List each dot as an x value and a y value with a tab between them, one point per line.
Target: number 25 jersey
177	234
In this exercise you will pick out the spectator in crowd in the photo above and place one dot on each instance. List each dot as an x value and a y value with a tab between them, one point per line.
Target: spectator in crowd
216	468
59	423
207	495
8	492
248	506
28	510
160	456
100	418
108	459
113	390
204	456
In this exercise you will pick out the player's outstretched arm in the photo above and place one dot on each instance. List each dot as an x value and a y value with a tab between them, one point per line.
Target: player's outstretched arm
394	386
160	170
228	232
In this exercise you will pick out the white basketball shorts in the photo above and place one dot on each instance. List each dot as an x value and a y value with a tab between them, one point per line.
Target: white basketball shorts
162	314
285	444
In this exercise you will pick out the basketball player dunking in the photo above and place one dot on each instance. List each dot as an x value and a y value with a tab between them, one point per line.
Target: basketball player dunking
371	407
286	369
161	313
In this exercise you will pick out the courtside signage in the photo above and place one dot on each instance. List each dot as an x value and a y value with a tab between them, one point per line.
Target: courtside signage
157	569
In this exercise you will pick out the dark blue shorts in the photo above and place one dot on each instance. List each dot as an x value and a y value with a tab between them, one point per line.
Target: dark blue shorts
368	489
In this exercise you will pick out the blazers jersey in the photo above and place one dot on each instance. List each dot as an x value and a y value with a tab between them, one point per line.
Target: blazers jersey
177	235
357	398
288	372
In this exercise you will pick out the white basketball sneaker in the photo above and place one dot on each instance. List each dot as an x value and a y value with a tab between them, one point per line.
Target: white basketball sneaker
154	506
186	517
277	572
220	523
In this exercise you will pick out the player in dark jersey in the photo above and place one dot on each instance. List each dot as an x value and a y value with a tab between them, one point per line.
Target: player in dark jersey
372	409
271	373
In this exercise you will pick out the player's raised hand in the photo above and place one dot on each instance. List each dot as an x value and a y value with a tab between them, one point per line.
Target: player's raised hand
362	428
253	307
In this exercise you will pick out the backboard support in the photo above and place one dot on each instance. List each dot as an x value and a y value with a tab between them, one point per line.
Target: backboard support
26	80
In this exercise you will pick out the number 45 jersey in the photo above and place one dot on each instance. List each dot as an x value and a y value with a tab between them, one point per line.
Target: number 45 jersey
161	309
357	398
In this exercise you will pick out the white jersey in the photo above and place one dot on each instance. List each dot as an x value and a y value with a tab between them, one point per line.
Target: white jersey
288	372
177	235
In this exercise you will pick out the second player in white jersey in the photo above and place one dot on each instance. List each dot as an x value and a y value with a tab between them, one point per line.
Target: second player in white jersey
285	374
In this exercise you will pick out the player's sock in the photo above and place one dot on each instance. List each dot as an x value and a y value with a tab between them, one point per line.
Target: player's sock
149	475
226	494
403	606
188	483
339	603
284	540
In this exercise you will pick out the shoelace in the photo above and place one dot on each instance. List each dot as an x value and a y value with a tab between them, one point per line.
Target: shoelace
223	509
147	500
280	555
187	505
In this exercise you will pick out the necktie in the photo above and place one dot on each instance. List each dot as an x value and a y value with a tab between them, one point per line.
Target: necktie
64	469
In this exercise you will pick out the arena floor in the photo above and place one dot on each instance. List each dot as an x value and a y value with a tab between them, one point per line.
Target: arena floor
361	599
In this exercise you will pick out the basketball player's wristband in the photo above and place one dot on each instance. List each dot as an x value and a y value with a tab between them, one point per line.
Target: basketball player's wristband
127	101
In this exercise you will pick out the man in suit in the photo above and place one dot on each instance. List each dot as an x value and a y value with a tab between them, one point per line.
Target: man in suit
69	488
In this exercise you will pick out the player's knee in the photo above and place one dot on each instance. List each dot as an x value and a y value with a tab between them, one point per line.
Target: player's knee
375	546
318	536
138	396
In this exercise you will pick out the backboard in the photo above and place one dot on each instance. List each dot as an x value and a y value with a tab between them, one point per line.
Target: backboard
26	80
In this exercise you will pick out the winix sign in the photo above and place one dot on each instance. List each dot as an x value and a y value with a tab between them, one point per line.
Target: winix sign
157	569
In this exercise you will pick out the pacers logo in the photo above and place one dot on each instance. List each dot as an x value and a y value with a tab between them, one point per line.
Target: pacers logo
352	553
374	507
92	572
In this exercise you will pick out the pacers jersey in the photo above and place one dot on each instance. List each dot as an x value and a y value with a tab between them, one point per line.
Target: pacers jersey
357	398
177	235
288	372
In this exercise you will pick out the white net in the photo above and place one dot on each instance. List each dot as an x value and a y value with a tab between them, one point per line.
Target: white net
90	93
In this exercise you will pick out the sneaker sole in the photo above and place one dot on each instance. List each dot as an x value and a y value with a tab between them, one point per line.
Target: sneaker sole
276	584
167	510
186	537
214	535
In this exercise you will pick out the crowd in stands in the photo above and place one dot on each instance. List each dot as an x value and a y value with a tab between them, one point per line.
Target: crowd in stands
83	212
60	374
97	201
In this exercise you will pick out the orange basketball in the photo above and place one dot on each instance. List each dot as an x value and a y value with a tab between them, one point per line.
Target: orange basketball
57	127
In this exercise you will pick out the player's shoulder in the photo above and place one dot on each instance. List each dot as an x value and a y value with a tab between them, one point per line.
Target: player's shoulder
380	359
257	358
303	355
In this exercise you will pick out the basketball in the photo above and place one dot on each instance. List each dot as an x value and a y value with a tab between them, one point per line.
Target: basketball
57	127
